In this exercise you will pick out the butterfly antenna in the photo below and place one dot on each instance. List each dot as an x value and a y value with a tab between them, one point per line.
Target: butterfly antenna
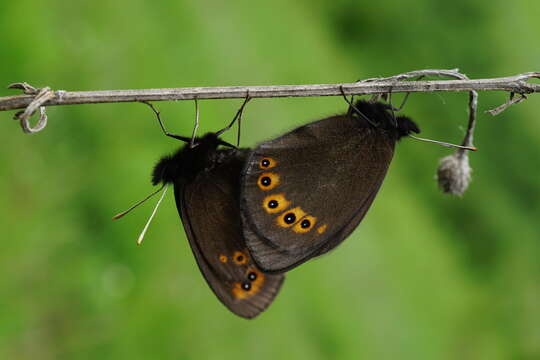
119	215
442	143
141	237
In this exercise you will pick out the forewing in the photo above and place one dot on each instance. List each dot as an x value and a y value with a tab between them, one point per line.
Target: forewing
210	213
327	172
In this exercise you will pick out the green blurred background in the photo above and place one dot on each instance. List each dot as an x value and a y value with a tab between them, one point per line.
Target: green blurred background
425	276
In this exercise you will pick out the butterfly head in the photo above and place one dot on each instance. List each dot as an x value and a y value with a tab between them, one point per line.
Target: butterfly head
405	127
187	161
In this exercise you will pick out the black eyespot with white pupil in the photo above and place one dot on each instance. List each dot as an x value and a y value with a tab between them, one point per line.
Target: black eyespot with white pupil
240	258
305	224
265	163
265	181
246	286
252	276
272	204
289	218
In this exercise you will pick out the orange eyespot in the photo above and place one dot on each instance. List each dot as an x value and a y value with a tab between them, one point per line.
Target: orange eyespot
290	217
321	229
250	286
268	181
305	224
240	258
275	203
267	163
223	258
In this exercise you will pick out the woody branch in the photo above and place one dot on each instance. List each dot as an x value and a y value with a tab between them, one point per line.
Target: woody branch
454	172
516	84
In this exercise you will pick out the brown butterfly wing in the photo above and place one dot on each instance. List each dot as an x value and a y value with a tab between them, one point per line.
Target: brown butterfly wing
327	172
210	213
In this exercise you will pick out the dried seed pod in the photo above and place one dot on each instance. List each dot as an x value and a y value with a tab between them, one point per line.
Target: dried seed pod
454	173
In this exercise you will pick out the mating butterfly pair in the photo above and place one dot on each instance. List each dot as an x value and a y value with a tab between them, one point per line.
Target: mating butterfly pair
251	215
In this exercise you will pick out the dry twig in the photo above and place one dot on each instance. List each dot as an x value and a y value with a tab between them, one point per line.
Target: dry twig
517	84
454	172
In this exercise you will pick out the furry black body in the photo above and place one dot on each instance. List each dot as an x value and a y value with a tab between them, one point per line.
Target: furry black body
206	182
188	161
381	115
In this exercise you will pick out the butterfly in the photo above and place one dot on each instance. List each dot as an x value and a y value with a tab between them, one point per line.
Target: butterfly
206	181
304	192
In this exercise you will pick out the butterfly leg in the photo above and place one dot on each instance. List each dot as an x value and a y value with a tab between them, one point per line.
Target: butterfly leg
394	121
404	101
178	137
196	127
352	107
238	117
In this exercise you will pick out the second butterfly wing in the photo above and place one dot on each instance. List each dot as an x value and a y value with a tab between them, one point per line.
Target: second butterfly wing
208	206
305	191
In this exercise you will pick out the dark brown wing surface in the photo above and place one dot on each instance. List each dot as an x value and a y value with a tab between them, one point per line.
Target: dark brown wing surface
210	213
304	192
